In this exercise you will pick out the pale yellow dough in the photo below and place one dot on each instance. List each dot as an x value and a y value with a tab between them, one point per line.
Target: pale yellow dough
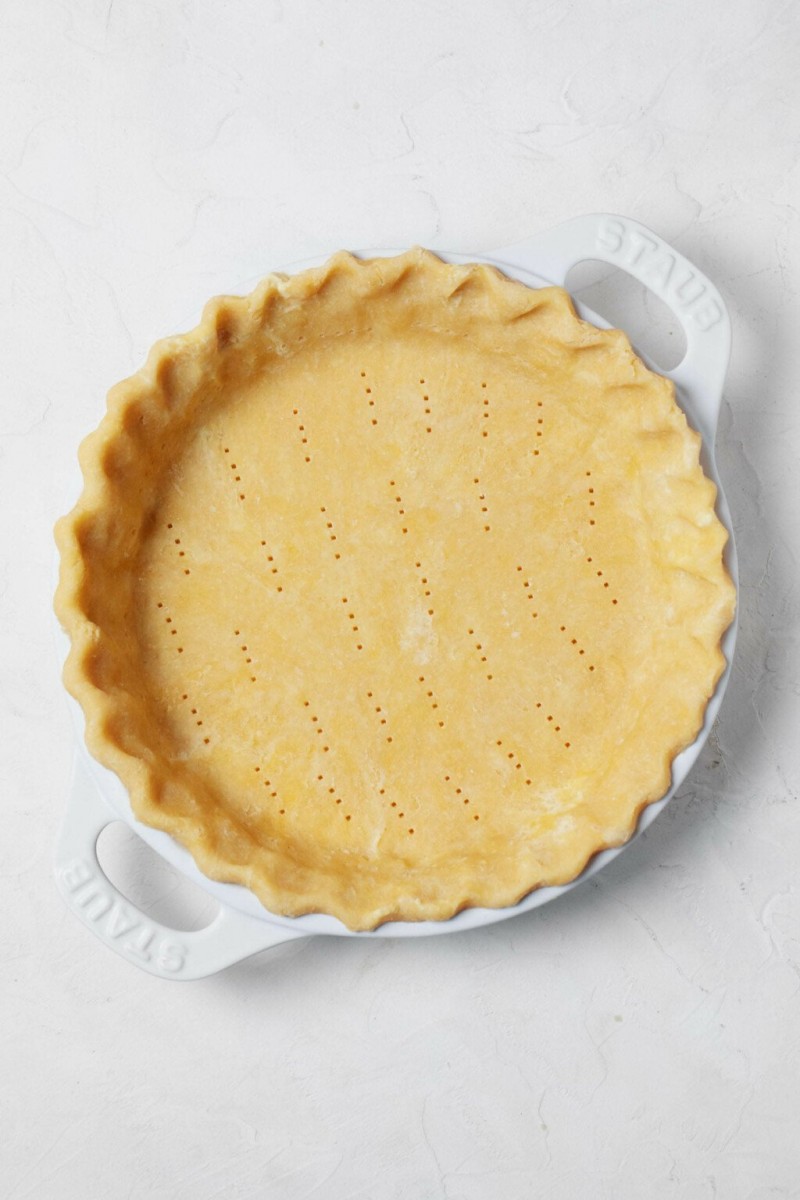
394	588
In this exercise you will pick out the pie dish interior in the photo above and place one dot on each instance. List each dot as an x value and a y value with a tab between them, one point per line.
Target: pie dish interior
394	588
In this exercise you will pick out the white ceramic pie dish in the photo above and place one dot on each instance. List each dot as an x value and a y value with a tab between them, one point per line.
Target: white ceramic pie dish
242	927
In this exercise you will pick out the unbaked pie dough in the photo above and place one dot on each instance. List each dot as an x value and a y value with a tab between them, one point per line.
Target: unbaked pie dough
394	588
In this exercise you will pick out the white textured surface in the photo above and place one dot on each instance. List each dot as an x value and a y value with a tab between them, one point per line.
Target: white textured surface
639	1038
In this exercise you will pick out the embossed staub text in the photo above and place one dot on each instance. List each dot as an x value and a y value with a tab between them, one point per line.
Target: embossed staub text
102	909
655	265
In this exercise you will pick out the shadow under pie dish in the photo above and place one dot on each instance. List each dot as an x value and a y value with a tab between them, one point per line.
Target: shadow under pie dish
394	588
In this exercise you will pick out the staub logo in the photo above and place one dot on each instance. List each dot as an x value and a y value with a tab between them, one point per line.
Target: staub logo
670	277
116	924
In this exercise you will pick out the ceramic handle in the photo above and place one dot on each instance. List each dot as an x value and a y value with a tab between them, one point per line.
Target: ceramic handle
634	248
92	897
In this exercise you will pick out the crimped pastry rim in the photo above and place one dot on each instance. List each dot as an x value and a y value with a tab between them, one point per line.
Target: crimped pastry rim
141	776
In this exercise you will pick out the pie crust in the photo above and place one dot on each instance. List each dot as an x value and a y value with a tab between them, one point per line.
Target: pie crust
394	588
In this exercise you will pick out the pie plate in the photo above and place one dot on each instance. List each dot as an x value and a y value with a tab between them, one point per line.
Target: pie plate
243	926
